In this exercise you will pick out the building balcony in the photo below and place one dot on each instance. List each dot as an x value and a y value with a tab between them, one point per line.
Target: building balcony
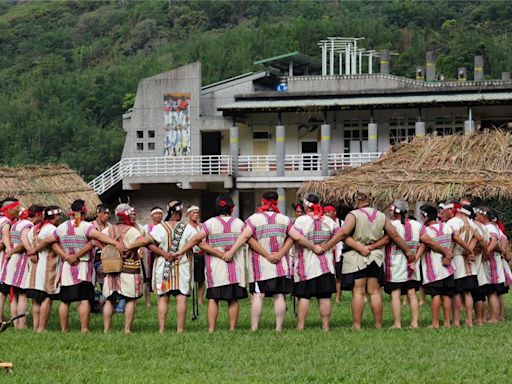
191	172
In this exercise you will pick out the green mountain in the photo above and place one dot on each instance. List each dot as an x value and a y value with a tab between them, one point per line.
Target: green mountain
68	69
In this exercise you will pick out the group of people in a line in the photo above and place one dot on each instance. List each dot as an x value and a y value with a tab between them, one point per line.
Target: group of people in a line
458	254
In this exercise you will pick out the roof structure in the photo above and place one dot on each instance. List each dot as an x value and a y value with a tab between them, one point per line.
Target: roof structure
431	169
302	64
46	185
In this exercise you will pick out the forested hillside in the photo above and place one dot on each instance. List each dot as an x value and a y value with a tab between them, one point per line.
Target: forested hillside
68	69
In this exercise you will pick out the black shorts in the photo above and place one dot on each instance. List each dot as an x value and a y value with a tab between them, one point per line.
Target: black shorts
337	268
503	289
39	296
466	284
78	292
5	289
276	286
199	266
174	292
372	270
321	287
444	287
403	286
116	296
228	293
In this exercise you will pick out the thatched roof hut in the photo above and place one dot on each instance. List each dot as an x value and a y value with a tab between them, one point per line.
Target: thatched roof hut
46	185
432	168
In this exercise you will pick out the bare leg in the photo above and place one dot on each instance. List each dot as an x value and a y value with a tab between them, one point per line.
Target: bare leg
44	314
325	308
494	307
501	313
22	308
447	309
64	316
2	302
375	293
279	311
468	304
358	300
147	294
213	312
200	292
302	312
396	307
14	309
163	304
338	291
108	311
181	313
129	315
415	308
84	314
36	315
457	305
479	310
423	296
256	308
436	307
233	313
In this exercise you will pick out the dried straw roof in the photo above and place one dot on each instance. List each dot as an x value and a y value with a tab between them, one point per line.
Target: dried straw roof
432	168
45	185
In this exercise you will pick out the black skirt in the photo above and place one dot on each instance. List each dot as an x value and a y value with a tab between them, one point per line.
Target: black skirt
229	292
321	287
4	289
372	270
38	296
444	287
174	292
116	296
275	286
466	284
199	266
503	289
337	268
403	286
78	292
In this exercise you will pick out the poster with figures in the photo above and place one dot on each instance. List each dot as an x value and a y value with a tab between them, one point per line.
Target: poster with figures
176	110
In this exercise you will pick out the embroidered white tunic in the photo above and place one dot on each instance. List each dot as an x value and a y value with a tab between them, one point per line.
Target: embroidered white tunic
3	260
506	265
431	263
309	265
15	272
494	266
270	229
222	233
72	239
396	264
479	264
179	278
44	275
465	228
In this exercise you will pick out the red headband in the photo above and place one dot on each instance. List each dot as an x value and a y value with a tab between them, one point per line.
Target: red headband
10	206
268	205
222	203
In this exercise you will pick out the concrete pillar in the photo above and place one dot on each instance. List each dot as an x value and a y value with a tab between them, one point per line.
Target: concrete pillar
234	148
419	129
235	195
280	151
384	61
479	68
469	124
431	67
505	76
281	200
372	138
325	147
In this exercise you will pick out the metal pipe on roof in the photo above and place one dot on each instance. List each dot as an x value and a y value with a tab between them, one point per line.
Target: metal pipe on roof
332	59
324	59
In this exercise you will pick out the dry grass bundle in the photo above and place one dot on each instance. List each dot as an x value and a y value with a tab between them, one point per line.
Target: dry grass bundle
46	185
432	168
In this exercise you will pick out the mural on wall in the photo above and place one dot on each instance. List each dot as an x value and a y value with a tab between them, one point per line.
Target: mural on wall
176	109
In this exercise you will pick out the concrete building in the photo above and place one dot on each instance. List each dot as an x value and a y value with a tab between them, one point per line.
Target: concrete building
298	119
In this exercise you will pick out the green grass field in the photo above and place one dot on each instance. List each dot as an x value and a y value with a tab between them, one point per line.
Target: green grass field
479	355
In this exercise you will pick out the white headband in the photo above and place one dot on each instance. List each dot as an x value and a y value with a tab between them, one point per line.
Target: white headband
54	212
307	203
157	210
192	208
465	211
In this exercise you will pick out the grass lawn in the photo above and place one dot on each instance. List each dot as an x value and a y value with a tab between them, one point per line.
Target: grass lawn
479	355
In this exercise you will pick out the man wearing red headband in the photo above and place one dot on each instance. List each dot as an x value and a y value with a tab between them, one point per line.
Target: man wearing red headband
9	211
330	211
269	276
78	277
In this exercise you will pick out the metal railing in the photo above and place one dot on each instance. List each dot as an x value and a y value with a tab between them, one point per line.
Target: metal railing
309	163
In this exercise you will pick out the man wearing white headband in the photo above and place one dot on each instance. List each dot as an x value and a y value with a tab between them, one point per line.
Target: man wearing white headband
199	265
157	214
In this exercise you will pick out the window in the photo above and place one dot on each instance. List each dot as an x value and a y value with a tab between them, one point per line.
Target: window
260	135
151	134
448	125
355	133
140	146
140	134
151	146
401	129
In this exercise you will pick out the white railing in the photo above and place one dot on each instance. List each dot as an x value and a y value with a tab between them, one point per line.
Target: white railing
309	163
339	161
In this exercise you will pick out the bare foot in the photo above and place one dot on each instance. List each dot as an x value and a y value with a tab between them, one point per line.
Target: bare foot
414	325
396	326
